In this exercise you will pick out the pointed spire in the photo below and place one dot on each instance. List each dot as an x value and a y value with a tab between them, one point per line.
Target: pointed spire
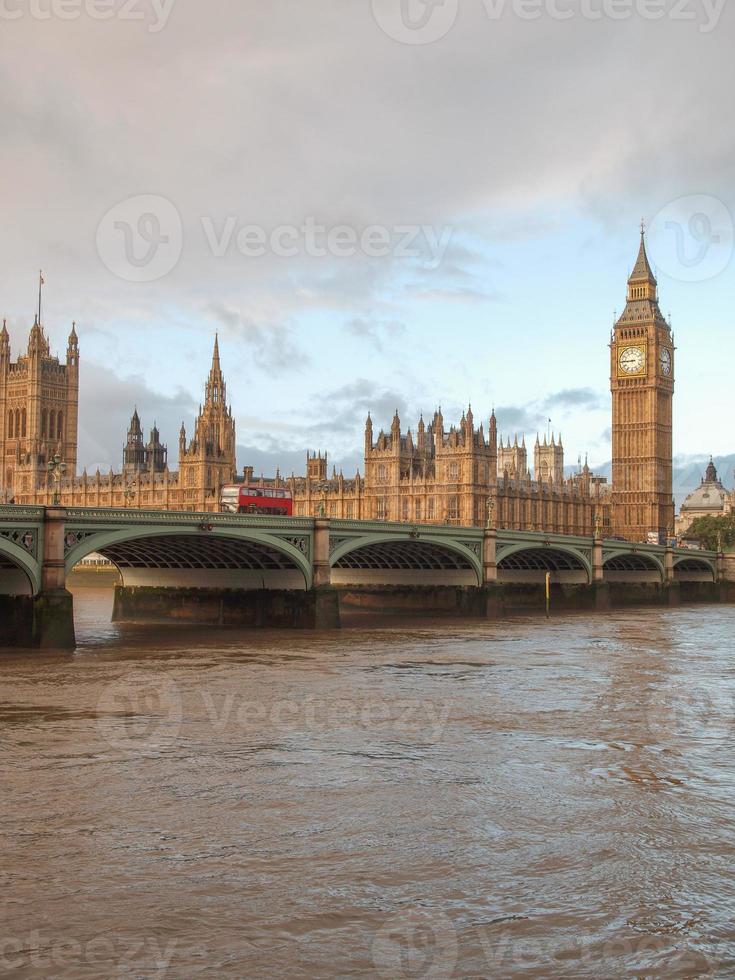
642	268
37	342
215	352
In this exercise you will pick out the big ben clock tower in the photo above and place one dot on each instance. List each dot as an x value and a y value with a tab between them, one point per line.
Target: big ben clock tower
642	384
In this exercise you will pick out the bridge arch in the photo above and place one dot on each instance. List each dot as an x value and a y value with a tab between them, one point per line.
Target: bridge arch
20	574
412	558
210	557
526	562
694	569
633	566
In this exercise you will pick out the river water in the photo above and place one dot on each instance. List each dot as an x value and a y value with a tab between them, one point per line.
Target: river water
472	799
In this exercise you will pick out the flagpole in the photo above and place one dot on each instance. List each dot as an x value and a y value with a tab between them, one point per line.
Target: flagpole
40	284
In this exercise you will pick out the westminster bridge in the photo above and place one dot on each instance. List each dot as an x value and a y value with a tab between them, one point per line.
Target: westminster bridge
257	570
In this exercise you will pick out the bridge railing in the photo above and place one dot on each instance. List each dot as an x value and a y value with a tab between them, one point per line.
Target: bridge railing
104	515
21	512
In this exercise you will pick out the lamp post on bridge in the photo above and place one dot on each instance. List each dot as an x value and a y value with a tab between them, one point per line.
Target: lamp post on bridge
56	469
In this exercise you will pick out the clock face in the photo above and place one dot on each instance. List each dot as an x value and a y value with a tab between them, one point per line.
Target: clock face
632	360
665	361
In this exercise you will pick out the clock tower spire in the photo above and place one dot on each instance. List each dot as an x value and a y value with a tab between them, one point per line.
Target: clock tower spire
642	385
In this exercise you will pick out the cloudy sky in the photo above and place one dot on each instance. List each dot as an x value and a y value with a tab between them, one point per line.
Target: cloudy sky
378	204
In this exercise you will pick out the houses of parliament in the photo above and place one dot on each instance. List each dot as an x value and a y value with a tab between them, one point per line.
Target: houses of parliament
461	474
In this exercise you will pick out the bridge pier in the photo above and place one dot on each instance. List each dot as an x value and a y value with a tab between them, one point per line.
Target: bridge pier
601	594
274	608
598	570
53	612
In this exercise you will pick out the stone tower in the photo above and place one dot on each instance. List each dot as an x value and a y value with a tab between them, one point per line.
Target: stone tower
208	462
316	466
39	407
134	450
156	453
513	460
642	384
548	460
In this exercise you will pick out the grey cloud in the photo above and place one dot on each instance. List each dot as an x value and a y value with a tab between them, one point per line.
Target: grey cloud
374	331
462	146
271	344
575	398
521	419
106	402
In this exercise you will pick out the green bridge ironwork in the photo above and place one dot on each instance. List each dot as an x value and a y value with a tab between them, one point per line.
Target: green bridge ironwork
318	549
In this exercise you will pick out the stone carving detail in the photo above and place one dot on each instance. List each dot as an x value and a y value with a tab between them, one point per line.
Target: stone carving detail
73	538
300	543
24	537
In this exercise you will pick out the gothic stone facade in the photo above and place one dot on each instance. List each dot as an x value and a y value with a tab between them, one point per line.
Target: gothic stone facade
461	475
39	399
455	476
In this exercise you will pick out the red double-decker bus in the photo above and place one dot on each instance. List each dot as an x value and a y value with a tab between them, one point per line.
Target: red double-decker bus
240	498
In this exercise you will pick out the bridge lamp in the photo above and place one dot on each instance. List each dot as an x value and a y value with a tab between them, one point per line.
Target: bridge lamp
128	493
56	468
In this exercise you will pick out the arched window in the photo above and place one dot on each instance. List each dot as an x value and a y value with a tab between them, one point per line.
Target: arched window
60	426
44	423
23	423
11	427
17	423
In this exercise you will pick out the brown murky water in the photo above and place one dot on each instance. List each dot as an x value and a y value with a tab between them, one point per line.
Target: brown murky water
514	799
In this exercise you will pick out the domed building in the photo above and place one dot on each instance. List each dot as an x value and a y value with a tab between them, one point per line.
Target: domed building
710	499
